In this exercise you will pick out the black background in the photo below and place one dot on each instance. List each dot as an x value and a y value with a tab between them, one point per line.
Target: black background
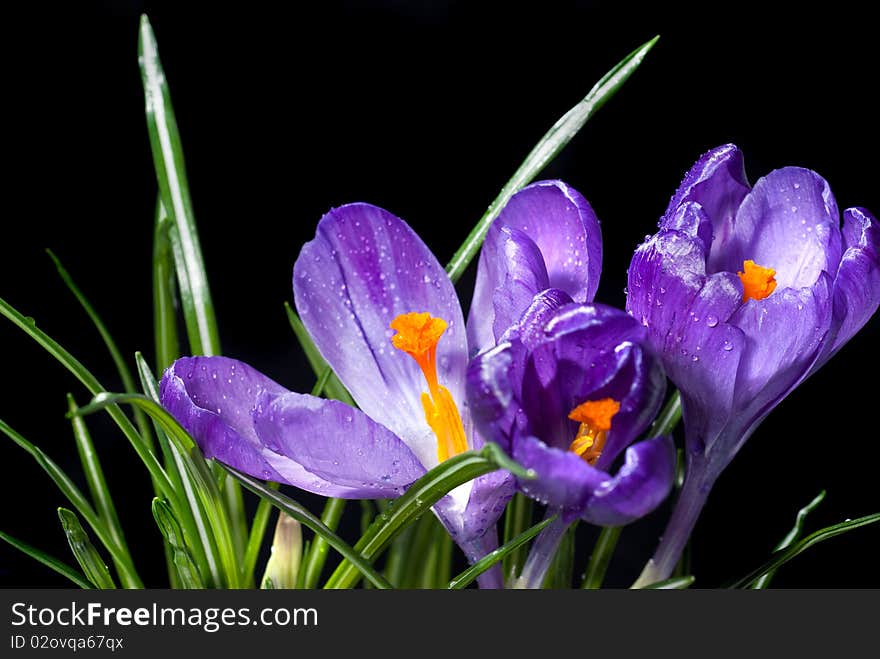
425	109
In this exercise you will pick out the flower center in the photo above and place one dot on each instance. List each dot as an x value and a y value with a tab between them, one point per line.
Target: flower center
418	335
758	281
595	419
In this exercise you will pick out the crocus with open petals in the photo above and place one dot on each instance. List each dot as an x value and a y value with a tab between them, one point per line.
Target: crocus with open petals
570	388
746	291
385	316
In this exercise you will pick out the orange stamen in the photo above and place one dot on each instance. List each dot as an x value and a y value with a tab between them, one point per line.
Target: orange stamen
595	418
418	335
758	281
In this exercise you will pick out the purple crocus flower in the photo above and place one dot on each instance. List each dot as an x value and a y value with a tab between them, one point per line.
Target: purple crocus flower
569	389
385	316
746	291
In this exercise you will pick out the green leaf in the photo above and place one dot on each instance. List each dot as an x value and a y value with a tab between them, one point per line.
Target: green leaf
186	568
668	418
86	555
95	476
676	583
49	561
791	536
490	559
316	557
782	556
302	515
164	293
91	383
120	555
332	387
518	517
561	572
601	557
195	295
418	498
546	149
121	367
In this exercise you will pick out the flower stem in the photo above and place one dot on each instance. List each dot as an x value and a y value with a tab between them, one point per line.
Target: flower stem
691	500
541	554
601	557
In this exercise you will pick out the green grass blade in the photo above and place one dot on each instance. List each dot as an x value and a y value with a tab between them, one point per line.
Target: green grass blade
475	570
195	295
782	556
303	516
676	583
258	532
187	571
601	557
121	366
49	561
668	418
791	536
332	388
418	498
86	555
518	517
164	293
95	476
316	557
546	149
121	557
91	383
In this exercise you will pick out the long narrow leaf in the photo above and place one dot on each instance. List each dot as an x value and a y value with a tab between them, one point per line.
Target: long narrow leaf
86	555
490	559
121	557
171	531
121	366
198	309
676	583
791	536
303	516
49	561
91	383
546	149
164	293
95	476
420	496
316	557
782	557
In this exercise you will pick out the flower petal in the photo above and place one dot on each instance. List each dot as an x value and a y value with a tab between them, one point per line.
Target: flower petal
717	182
337	443
566	230
214	398
364	268
857	285
641	484
510	272
563	480
490	394
788	222
488	496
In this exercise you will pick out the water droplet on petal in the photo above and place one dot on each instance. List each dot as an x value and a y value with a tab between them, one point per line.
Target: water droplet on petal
711	320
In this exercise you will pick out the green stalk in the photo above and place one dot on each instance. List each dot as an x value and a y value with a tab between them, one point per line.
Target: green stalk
255	538
546	149
164	293
601	557
49	561
517	518
317	555
86	555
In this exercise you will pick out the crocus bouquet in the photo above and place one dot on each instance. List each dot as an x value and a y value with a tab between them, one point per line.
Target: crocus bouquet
487	440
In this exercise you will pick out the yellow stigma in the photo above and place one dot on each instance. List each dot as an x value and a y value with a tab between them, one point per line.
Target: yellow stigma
418	335
758	281
595	418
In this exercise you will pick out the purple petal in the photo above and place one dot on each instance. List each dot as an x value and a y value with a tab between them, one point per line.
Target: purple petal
566	230
510	273
563	480
337	443
717	182
485	503
642	483
364	268
214	398
490	394
788	222
857	285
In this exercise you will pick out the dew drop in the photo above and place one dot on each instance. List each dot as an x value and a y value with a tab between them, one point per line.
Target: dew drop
711	320
728	346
